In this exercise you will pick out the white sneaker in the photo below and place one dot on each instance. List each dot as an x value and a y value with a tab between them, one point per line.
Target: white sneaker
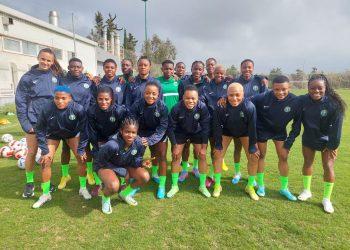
42	200
85	193
327	206
304	195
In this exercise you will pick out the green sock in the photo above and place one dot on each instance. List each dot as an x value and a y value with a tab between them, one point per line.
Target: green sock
30	176
65	170
162	180
260	177
328	188
195	163
217	178
211	171
126	191
106	198
307	182
89	167
45	186
82	181
97	179
174	179
184	165
202	178
122	181
237	167
154	170
284	182
251	179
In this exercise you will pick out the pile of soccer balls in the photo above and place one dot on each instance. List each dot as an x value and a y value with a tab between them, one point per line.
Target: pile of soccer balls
16	149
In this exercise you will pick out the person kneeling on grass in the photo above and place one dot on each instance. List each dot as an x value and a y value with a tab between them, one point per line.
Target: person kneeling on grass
236	120
189	121
66	120
122	156
322	117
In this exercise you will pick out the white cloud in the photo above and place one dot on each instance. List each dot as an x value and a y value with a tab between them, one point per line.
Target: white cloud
289	34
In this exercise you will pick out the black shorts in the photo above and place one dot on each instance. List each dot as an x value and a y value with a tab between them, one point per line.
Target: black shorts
314	146
265	136
227	133
121	172
192	138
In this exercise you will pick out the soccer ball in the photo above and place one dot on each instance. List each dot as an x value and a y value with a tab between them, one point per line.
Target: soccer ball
20	153
15	145
6	138
6	151
37	158
21	163
23	142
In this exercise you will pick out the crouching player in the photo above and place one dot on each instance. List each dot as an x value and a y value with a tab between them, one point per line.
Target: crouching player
152	116
275	109
66	120
236	120
122	156
189	121
322	118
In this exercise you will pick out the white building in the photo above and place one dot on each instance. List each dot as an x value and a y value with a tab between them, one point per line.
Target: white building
21	38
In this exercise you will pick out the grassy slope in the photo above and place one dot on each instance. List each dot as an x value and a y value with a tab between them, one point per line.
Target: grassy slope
188	220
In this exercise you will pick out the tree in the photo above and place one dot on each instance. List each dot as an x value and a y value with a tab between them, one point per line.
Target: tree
158	50
275	72
299	75
129	45
233	71
99	25
112	26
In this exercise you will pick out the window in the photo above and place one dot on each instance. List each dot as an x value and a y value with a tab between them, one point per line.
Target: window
29	48
58	53
70	54
12	45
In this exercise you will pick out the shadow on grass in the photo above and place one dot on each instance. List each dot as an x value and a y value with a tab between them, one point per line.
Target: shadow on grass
68	199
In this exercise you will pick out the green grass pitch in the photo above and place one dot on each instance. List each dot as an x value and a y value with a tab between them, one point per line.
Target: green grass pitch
186	221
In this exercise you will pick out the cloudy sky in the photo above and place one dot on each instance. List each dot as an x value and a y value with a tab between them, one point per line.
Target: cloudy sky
289	34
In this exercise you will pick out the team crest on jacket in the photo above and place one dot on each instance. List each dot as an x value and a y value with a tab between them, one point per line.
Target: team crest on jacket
118	89
224	86
255	88
54	79
112	119
287	109
86	85
197	116
324	112
241	114
156	114
134	152
71	117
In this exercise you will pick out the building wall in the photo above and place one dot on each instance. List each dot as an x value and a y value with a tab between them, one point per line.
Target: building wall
13	64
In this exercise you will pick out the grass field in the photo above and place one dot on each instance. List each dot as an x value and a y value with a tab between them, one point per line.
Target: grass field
188	220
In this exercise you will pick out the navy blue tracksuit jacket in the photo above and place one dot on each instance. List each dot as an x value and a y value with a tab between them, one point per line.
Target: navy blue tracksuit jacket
322	123
273	116
34	91
153	119
59	124
189	122
236	122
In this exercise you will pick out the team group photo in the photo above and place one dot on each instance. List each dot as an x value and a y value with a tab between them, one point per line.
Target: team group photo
173	147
